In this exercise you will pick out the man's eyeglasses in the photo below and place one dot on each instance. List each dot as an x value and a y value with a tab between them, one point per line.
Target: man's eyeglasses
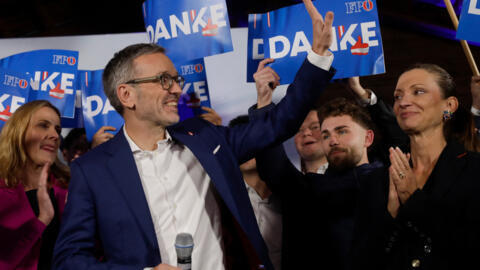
165	79
313	128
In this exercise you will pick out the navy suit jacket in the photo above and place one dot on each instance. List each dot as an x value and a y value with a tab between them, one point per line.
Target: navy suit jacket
106	200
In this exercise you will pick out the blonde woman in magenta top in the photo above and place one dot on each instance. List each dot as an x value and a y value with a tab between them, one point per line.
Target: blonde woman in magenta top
32	186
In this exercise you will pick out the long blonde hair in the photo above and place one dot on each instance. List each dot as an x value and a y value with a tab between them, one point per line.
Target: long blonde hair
13	156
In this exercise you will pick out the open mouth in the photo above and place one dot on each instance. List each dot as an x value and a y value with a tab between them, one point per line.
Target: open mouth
49	148
308	143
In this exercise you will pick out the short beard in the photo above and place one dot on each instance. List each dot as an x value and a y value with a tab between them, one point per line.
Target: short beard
342	164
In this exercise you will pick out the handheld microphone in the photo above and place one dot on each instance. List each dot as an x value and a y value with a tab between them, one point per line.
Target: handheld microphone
184	248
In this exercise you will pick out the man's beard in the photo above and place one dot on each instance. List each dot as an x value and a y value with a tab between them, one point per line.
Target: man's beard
344	162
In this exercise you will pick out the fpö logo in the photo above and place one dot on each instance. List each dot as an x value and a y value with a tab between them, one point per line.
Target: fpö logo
191	69
63	60
358	6
13	81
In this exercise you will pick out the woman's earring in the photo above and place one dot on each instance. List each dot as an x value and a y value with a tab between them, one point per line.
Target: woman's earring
447	115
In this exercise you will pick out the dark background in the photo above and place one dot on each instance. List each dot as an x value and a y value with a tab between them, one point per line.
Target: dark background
406	27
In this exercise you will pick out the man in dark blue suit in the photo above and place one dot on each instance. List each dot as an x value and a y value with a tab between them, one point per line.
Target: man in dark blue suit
156	178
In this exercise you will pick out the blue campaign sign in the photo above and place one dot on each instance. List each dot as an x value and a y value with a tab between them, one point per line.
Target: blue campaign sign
195	91
469	25
52	76
97	111
77	120
188	29
14	90
286	34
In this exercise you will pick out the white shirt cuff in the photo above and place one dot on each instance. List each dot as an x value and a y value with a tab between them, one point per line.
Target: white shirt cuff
373	98
320	61
475	111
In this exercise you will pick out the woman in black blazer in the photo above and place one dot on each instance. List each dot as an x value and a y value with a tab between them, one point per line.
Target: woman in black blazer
434	193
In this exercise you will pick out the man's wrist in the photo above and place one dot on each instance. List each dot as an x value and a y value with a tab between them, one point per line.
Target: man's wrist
321	61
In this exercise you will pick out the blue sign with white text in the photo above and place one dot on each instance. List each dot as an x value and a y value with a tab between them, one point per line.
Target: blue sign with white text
195	91
52	76
469	24
14	91
286	35
97	111
188	29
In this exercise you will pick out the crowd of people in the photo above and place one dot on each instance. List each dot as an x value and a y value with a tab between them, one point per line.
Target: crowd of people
378	187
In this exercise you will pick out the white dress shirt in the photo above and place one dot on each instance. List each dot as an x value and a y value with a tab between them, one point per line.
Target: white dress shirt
180	198
269	219
323	168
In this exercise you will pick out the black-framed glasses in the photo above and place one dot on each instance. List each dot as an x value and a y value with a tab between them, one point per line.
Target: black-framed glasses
165	79
313	127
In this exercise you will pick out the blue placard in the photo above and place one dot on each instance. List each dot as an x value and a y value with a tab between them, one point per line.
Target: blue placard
469	25
188	29
195	91
14	90
286	34
52	76
97	111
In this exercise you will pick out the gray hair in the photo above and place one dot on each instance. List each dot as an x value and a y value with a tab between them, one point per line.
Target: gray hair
120	69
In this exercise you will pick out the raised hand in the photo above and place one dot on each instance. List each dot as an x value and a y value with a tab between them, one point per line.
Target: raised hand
401	174
322	30
357	88
211	116
266	80
102	135
46	210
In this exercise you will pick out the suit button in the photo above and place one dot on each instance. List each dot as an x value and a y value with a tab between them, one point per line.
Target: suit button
415	263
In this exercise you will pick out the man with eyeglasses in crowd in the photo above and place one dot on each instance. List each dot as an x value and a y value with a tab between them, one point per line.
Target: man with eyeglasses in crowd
157	178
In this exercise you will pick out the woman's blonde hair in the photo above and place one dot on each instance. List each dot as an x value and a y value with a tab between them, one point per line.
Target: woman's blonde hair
13	155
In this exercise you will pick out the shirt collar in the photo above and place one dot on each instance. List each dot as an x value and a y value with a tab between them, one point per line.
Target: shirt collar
161	144
322	168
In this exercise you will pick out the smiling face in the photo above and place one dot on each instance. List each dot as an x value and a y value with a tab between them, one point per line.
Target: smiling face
419	103
345	142
153	104
307	139
42	136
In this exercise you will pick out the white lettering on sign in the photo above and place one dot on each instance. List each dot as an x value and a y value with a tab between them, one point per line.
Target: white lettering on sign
472	8
217	15
95	105
281	47
66	82
198	88
15	102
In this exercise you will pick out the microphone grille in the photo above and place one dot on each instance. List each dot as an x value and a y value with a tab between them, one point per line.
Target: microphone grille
184	245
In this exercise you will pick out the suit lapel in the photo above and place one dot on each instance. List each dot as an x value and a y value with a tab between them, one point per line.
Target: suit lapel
125	176
206	153
449	167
